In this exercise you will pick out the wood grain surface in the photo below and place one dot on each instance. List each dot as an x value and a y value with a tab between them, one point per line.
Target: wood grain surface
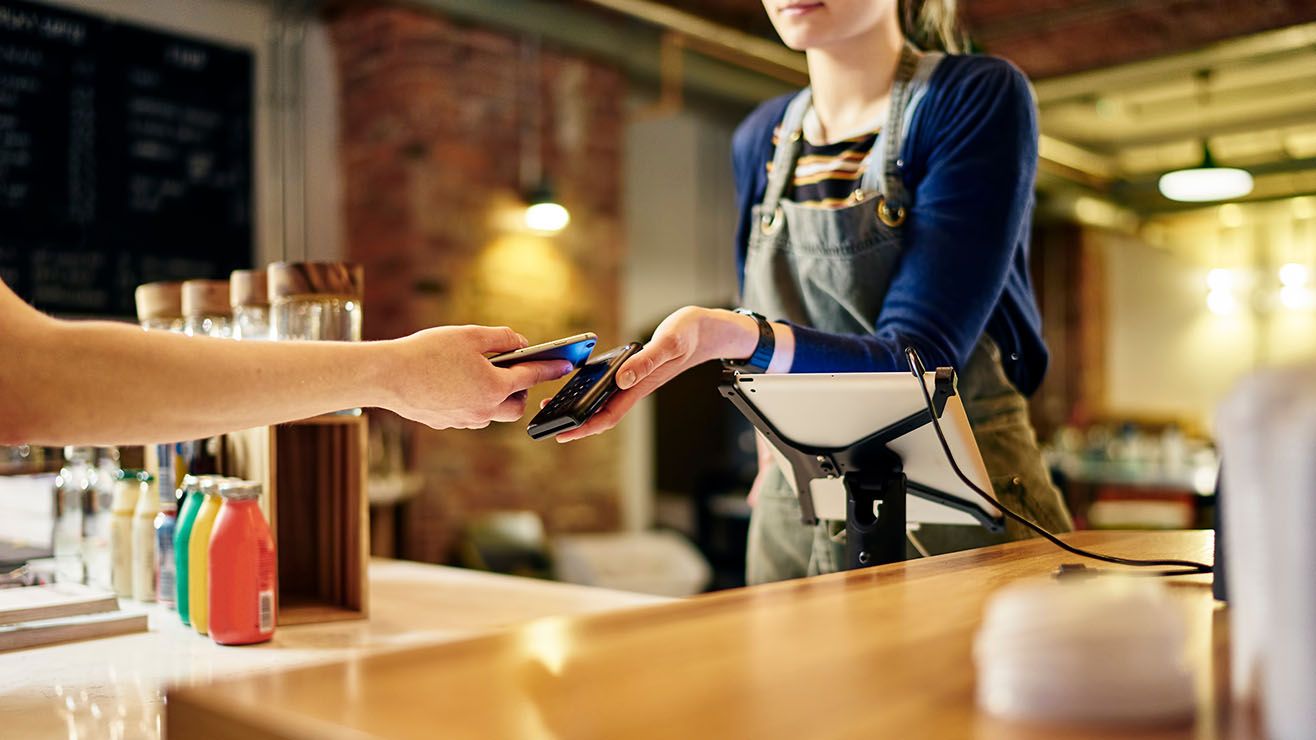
878	653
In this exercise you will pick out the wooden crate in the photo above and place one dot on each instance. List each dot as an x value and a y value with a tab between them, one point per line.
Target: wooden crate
314	475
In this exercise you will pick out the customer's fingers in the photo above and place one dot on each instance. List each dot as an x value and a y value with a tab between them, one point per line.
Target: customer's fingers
495	338
529	374
511	409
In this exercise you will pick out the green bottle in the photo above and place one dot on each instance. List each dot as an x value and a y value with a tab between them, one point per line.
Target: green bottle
191	503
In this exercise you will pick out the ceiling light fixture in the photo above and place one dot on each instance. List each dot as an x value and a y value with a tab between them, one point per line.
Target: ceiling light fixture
1207	182
543	213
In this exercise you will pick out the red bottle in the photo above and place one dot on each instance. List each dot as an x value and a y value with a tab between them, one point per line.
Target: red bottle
243	569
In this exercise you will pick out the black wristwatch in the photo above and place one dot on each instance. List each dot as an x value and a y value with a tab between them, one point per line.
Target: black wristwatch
763	351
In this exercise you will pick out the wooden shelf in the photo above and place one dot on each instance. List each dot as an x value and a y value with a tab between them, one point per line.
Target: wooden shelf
314	475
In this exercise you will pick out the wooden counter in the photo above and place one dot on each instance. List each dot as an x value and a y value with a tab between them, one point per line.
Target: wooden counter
114	687
879	653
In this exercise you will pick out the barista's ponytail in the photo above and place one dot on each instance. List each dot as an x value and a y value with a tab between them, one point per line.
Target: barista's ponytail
933	24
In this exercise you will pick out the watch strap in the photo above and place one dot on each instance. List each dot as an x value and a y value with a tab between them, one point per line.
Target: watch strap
763	351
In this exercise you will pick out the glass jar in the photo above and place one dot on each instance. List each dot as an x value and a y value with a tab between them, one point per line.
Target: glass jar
206	309
160	306
317	301
249	298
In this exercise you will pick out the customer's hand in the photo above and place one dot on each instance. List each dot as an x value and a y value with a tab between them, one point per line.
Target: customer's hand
688	337
442	378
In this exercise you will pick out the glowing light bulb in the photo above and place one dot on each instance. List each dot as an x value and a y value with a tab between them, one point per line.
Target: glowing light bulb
1293	275
1205	184
1220	279
548	217
1296	298
1221	302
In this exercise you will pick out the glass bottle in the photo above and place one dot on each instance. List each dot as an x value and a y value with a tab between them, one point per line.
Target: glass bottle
198	556
73	486
243	573
187	511
97	518
143	540
250	301
128	490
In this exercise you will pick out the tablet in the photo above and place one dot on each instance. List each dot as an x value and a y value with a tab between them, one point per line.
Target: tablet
835	410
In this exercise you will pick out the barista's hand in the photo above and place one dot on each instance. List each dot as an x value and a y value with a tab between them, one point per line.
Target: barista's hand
441	377
689	337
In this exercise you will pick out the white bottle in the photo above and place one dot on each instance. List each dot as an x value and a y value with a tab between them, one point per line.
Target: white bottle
127	490
143	546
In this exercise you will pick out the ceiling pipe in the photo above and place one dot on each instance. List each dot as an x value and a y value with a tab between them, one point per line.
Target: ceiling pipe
716	39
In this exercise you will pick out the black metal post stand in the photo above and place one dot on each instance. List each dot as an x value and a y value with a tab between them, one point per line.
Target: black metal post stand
875	514
872	473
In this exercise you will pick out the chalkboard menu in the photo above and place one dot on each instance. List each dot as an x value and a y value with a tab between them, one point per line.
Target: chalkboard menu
125	157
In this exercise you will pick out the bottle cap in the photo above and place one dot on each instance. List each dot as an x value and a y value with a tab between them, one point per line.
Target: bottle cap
240	490
248	288
159	301
205	298
210	484
292	279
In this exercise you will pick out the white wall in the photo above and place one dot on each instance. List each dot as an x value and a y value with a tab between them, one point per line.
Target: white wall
1167	354
680	225
248	24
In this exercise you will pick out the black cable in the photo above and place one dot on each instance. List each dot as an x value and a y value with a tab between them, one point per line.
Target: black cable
1186	567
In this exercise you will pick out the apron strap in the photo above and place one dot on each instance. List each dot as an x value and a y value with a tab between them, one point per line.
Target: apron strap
883	166
788	146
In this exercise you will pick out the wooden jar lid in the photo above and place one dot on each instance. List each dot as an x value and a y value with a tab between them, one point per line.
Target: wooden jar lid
163	300
248	288
291	279
205	298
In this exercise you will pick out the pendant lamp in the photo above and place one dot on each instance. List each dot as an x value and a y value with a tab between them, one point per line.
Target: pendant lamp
1206	182
543	213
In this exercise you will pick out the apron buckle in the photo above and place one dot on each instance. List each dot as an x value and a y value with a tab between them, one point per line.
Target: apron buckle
885	215
771	223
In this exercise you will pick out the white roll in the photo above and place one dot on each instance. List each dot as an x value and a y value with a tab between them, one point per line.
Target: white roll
1107	650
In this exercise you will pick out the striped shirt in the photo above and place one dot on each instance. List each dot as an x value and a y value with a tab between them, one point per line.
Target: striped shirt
826	175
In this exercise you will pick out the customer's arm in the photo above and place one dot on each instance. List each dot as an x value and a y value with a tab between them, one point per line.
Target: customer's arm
102	383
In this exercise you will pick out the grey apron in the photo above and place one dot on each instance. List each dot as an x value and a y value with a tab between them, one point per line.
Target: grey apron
830	269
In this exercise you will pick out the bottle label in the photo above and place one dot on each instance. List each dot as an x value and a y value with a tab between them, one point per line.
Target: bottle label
266	611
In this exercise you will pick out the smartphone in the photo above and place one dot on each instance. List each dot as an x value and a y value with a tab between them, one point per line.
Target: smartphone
575	349
587	391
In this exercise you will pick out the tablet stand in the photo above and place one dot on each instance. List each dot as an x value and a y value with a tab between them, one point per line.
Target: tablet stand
872	474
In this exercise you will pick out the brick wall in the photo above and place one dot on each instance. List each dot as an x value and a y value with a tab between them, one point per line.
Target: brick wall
431	145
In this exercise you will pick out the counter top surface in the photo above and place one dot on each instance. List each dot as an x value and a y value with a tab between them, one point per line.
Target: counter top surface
882	652
114	687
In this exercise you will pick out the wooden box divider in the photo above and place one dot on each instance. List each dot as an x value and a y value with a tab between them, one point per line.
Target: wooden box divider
314	475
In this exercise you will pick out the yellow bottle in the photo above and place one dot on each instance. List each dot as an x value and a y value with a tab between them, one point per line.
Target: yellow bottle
198	556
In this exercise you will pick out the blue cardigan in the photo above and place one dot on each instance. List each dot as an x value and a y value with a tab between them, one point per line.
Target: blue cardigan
970	162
